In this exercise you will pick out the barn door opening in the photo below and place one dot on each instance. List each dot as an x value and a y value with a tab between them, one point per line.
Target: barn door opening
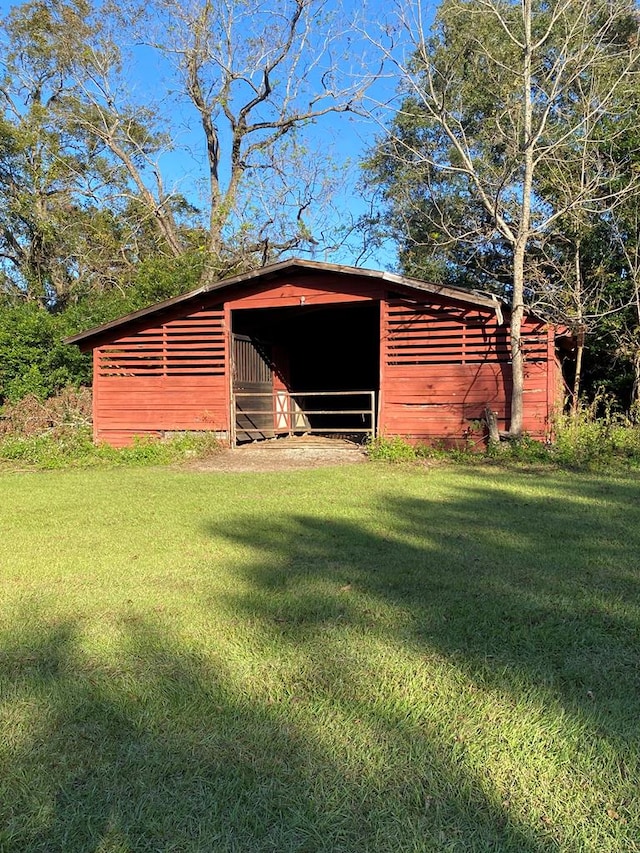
252	389
325	368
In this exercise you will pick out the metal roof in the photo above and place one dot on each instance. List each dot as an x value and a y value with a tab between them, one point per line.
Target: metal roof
272	270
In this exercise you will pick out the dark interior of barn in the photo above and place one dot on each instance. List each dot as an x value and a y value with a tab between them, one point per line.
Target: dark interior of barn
321	348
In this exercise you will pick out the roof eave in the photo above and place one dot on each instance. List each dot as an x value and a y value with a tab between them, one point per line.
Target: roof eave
267	272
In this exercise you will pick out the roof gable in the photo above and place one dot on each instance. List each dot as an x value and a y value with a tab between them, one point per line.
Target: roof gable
270	275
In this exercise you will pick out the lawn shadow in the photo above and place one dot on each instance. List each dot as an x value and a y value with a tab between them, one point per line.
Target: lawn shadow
150	746
158	750
535	597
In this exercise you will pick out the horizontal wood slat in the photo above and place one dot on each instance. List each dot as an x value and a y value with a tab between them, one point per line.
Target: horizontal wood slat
443	364
195	344
436	334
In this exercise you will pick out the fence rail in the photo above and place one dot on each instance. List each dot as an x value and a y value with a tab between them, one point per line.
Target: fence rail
292	412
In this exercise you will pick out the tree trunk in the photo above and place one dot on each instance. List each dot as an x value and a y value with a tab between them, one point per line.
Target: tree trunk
492	426
575	391
517	371
517	356
520	243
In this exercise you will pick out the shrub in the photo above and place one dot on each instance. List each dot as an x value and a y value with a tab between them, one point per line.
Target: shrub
57	433
33	359
598	435
391	449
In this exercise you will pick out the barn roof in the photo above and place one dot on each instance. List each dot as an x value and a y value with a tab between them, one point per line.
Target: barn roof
272	271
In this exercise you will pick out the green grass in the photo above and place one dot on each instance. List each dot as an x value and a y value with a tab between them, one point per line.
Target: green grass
359	659
73	447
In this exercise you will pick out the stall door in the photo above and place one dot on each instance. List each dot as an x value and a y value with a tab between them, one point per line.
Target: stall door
252	389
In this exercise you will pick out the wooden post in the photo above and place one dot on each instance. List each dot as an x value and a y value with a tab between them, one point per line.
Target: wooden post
492	426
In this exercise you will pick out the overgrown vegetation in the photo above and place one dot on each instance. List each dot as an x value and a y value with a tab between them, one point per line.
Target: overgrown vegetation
330	660
57	433
597	437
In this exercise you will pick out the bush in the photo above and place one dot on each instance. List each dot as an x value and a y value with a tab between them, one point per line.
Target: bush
33	359
598	435
391	449
57	433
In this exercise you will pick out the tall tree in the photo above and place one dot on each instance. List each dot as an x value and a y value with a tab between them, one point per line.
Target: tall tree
85	154
255	76
68	223
499	99
259	75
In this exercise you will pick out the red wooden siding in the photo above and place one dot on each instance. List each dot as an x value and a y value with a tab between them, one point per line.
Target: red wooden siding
442	364
169	377
313	289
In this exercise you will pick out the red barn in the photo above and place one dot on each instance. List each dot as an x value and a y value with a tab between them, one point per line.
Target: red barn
301	346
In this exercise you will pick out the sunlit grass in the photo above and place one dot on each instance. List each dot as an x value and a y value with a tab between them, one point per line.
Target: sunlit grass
356	659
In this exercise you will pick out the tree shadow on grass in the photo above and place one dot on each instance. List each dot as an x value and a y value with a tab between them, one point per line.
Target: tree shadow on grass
157	750
536	599
151	746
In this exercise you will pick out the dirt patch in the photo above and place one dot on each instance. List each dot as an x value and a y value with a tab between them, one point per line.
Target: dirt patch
282	454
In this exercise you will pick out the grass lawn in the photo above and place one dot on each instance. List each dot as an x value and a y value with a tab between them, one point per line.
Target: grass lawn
360	659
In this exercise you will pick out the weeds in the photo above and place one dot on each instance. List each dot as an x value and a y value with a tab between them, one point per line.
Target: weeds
57	433
392	449
596	438
76	449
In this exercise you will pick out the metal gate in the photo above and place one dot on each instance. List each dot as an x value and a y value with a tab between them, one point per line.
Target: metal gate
305	412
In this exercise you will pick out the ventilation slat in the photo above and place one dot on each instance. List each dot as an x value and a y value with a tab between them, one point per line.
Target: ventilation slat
436	334
193	344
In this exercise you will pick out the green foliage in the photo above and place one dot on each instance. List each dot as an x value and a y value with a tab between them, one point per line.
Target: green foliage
161	278
450	171
33	359
391	449
152	280
74	447
598	437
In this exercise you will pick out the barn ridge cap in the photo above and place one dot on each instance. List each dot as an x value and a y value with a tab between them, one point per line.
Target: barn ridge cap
472	297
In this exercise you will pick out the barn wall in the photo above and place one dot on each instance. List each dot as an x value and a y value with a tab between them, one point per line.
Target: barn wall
542	378
165	378
441	365
309	289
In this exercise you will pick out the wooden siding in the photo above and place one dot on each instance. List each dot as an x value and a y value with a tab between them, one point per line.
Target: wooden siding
443	364
309	289
171	377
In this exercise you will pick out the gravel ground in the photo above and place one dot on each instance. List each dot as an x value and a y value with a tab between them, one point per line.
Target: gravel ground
283	454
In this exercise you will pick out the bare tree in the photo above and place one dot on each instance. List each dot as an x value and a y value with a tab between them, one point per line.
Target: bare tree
626	228
494	87
257	76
